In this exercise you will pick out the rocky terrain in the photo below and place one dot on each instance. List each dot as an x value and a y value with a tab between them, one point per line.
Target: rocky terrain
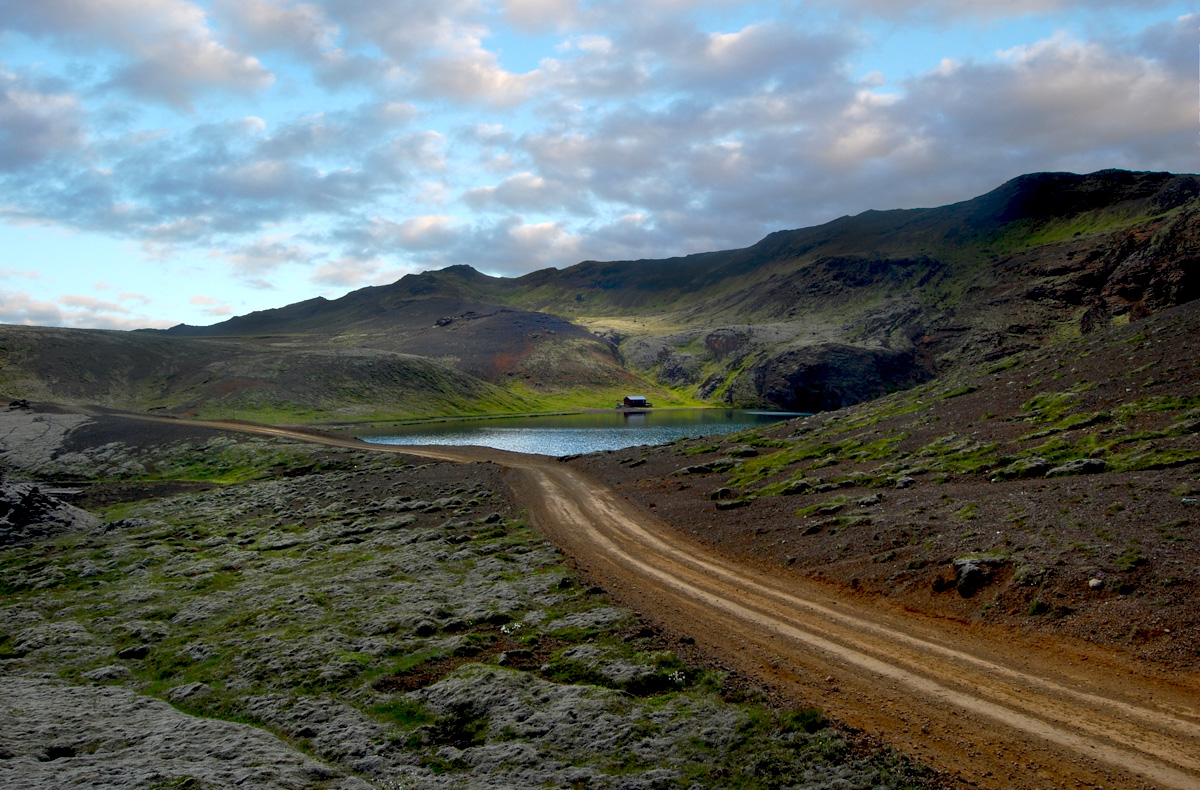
1010	442
1056	491
808	320
253	611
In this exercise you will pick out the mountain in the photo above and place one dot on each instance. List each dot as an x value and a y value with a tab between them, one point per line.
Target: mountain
807	319
272	380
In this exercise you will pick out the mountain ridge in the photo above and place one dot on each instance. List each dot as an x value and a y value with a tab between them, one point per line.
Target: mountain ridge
806	319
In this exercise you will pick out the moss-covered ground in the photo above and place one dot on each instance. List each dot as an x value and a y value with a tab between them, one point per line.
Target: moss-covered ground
401	622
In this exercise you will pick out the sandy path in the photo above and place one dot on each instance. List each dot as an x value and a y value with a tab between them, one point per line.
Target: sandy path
995	708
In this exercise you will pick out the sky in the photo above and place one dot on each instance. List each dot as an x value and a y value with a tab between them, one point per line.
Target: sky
168	161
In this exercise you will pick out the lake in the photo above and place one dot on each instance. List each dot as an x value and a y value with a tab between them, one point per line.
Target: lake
569	434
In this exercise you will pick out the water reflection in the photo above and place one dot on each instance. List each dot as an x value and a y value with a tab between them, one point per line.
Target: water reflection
580	433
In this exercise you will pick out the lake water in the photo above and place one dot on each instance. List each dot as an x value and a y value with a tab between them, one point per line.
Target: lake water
569	434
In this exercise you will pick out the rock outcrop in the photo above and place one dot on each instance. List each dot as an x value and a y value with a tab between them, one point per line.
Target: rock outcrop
54	736
27	513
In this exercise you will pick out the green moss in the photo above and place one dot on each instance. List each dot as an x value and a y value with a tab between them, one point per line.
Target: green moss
403	713
1157	403
961	455
827	508
965	389
1048	406
702	449
877	450
1130	559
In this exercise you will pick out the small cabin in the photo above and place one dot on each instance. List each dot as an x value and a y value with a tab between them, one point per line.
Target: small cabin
635	402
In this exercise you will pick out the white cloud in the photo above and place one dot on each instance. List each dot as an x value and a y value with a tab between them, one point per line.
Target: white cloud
539	16
168	49
528	192
34	124
1056	97
265	255
427	232
173	72
211	306
398	137
474	76
985	9
19	307
91	304
346	272
299	27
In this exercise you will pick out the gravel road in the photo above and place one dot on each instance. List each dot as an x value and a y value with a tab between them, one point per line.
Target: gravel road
996	708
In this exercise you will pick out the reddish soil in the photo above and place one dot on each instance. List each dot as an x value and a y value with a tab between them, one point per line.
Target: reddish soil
855	610
1137	531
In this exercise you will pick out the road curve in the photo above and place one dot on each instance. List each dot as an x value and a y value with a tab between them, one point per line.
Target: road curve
994	708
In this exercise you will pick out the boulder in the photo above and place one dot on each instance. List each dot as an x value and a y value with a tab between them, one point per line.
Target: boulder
28	514
1080	466
1022	468
970	576
109	737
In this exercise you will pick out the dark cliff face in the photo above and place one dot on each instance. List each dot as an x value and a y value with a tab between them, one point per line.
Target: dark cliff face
834	375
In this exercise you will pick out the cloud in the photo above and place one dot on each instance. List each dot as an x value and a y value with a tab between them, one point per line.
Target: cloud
770	55
229	177
346	272
404	30
474	76
28	274
541	16
91	304
265	255
528	192
35	125
212	306
965	9
398	136
19	307
1172	44
167	49
298	27
417	233
1054	98
173	72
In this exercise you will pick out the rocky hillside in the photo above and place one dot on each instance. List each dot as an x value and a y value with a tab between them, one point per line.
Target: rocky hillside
1057	489
273	379
807	320
334	619
816	318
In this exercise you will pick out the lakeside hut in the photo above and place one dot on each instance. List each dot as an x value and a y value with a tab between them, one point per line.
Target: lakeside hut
635	402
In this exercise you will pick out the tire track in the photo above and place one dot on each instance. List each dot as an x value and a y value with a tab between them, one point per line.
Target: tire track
991	712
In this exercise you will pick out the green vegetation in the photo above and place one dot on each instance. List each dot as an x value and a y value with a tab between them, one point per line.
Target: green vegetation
298	587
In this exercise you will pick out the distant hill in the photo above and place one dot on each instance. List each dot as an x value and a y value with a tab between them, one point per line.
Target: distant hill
805	319
808	319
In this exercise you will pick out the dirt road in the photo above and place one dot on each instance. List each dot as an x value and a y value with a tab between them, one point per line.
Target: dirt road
994	708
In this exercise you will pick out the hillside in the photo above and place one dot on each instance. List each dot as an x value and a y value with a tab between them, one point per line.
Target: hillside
807	320
1055	490
271	380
